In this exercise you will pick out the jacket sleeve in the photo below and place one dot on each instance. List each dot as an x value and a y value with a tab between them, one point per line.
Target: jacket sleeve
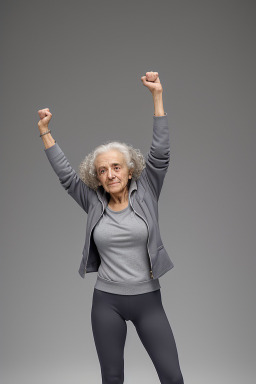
158	158
68	177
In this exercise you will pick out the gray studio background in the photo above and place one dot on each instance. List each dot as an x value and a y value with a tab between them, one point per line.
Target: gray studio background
84	61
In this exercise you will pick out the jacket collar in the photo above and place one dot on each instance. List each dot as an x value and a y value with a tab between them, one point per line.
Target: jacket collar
104	196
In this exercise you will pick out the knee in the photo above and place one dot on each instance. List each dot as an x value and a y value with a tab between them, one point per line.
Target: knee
113	378
172	379
177	379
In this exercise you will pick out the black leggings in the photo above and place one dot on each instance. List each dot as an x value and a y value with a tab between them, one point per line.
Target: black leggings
108	317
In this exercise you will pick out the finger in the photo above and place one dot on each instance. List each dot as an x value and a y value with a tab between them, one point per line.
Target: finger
48	114
42	112
43	109
151	75
39	111
144	80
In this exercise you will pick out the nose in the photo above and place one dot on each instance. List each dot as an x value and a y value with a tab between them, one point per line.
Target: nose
110	174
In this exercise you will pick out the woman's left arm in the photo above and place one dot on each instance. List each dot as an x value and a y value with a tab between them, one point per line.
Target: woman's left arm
158	157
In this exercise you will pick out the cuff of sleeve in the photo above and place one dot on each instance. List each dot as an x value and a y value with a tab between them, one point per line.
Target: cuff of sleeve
53	151
160	121
159	117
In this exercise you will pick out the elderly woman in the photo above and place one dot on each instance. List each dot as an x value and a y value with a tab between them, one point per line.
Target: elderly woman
119	191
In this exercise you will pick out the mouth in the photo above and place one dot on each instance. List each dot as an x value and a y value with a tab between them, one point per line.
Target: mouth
114	183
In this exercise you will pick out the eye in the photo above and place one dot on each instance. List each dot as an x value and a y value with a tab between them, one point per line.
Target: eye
117	167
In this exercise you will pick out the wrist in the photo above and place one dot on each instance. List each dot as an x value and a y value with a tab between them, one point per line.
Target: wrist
157	95
43	129
48	140
44	133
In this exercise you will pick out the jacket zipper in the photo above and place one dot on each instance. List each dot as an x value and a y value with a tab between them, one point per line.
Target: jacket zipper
90	235
151	271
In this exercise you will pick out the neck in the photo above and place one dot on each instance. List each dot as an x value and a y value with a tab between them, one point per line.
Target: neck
120	198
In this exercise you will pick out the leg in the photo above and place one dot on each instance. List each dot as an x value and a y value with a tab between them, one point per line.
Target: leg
109	332
156	335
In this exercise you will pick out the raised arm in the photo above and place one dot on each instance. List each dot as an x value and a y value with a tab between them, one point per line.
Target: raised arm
45	117
152	82
60	164
158	158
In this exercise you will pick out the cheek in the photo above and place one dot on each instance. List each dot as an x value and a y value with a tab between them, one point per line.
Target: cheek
125	176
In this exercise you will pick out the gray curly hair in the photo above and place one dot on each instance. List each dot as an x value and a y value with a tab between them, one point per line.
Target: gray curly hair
134	160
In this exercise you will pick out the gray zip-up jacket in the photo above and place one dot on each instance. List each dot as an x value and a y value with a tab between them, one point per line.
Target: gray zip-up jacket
143	196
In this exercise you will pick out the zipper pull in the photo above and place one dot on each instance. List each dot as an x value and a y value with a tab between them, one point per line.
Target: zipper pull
151	275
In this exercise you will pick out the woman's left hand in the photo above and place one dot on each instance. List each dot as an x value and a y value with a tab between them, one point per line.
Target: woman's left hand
152	82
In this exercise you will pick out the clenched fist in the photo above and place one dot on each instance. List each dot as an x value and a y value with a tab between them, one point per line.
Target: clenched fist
45	117
152	82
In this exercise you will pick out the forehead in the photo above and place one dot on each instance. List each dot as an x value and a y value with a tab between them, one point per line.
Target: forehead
109	157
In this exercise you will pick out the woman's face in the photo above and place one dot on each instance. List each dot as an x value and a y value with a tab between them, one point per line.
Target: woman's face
112	171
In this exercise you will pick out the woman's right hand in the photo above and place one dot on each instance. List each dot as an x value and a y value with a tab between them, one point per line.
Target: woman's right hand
45	117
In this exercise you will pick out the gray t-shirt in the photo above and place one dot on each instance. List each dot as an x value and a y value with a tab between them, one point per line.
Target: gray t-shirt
121	238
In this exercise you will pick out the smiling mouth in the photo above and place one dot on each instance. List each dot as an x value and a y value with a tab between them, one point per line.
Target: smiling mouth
114	183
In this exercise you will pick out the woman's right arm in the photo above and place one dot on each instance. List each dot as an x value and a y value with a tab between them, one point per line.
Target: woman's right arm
68	178
45	117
